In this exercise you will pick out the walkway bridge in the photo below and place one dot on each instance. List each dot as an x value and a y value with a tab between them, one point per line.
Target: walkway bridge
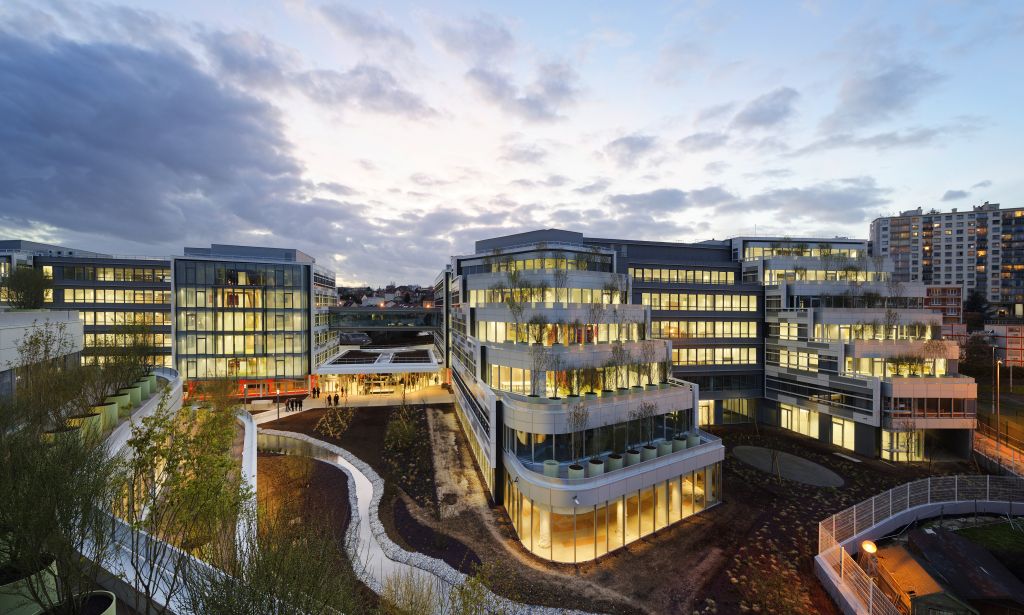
385	319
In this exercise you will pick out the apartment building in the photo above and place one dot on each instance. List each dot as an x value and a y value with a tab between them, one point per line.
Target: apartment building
854	357
1008	340
568	401
980	250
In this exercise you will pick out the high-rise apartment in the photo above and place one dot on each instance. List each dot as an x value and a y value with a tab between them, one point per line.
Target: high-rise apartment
980	250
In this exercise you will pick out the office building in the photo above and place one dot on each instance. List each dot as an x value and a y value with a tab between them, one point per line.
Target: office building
250	314
854	357
16	325
568	401
980	250
1008	341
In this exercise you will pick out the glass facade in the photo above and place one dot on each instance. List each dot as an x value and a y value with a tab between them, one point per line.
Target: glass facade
582	533
700	302
242	319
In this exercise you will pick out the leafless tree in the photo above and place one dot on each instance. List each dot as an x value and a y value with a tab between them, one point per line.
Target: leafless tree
561	279
578	418
648	357
644	414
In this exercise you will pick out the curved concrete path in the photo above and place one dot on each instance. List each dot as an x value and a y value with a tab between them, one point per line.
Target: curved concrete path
790	466
374	556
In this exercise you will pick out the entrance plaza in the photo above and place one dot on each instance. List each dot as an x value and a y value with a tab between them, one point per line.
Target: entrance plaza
357	372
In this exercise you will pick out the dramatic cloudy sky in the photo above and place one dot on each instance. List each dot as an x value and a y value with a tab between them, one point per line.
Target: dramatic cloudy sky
382	137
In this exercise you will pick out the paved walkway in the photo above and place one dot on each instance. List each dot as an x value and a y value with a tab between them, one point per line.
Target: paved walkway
1007	456
429	396
790	466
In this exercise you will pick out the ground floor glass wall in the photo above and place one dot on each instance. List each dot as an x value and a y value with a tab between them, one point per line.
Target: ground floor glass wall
905	445
800	420
582	533
376	384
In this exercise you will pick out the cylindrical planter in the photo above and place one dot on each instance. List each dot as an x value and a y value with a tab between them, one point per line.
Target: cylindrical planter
109	413
551	468
607	392
664	447
648	452
135	393
679	442
144	386
590	395
632	457
595	467
91	424
98	602
152	382
53	435
16	596
692	440
124	403
576	471
623	390
614	462
651	387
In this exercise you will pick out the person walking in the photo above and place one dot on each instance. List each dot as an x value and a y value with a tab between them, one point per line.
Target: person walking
335	399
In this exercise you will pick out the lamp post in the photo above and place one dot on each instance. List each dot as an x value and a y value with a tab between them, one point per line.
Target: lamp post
999	364
279	403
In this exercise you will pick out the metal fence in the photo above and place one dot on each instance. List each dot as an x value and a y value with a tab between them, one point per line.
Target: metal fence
1006	453
844	525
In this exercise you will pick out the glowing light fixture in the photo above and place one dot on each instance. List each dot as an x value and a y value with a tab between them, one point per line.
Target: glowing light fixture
869	547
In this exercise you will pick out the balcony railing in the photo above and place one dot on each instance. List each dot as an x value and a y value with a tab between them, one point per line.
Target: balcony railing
536	470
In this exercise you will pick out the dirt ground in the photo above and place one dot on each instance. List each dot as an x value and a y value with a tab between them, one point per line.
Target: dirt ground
753	552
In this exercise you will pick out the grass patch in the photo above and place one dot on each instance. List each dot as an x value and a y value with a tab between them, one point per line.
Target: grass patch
1004	542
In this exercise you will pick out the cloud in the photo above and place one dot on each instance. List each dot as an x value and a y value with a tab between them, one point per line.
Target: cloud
595	187
845	201
629	150
541	101
247	58
363	27
523	153
712	195
870	98
664	200
985	183
703	141
677	58
422	179
955	195
716	167
914	137
715	112
365	87
767	110
477	40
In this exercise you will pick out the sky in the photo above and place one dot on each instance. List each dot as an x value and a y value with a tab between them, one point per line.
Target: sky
384	137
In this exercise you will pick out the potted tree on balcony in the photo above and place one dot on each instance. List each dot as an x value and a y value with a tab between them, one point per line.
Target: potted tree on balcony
648	357
646	412
621	357
578	417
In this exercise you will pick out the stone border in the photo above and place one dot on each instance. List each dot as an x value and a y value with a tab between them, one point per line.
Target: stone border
436	567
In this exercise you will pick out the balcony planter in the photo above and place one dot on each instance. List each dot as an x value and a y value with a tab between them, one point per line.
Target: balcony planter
664	447
623	390
152	382
632	457
607	392
614	462
16	595
91	424
576	471
692	440
595	467
53	435
650	387
109	413
648	452
679	442
95	603
143	385
590	395
551	468
135	393
663	385
124	403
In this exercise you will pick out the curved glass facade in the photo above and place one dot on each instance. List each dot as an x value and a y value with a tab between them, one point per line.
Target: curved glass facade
582	533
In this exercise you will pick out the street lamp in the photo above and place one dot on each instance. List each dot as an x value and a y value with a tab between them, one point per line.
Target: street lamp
999	364
279	403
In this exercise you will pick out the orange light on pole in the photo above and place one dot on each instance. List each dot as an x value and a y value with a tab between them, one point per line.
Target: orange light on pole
869	547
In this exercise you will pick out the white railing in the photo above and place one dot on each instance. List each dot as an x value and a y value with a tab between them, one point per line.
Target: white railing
1002	453
849	524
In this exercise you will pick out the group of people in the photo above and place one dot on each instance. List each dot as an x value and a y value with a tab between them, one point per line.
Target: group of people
331	401
292	405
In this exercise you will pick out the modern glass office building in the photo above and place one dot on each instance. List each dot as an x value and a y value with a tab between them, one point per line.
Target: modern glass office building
568	401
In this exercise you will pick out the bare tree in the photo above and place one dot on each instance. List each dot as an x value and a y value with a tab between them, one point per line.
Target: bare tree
540	360
648	357
555	364
643	414
621	356
561	282
578	418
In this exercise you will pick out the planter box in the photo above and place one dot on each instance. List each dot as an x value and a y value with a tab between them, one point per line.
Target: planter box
91	602
91	425
152	383
679	443
124	403
648	452
551	468
135	393
651	387
664	448
614	462
144	386
595	467
109	413
57	434
632	457
16	597
576	471
692	440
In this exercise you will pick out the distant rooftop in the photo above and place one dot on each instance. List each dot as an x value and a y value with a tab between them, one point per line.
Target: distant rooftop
47	249
220	250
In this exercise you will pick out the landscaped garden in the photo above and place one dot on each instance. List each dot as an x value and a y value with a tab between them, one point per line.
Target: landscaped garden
754	552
